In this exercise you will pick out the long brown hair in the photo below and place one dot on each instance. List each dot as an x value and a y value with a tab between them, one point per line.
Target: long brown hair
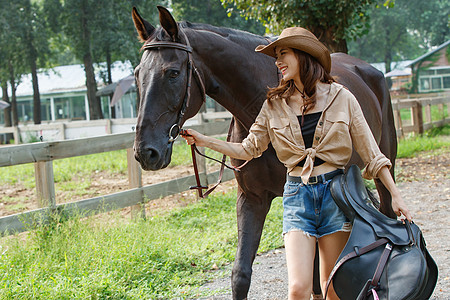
310	71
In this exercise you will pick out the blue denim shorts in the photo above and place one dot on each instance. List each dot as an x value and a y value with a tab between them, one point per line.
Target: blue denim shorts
311	209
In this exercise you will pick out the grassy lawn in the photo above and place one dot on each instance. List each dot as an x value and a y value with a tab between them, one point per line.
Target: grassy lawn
166	257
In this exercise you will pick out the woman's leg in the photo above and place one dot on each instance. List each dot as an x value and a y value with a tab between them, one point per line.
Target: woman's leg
300	251
330	247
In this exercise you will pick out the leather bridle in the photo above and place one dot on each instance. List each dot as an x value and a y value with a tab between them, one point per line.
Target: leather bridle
174	131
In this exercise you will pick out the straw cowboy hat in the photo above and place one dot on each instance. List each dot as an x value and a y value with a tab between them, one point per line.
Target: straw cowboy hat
301	39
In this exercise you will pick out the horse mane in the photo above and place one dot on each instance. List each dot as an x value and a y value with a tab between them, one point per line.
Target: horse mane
234	35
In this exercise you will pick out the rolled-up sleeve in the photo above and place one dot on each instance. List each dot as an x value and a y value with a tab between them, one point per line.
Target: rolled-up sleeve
365	144
258	138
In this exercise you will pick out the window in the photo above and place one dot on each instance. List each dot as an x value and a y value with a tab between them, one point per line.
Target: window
426	72
424	84
70	108
46	114
446	81
436	83
443	71
25	110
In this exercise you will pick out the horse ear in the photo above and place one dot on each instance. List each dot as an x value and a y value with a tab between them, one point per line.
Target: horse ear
168	22
144	28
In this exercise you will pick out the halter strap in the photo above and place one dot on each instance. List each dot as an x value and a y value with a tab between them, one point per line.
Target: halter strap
164	44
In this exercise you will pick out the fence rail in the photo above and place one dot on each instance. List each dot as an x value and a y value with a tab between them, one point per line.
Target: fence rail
420	110
42	155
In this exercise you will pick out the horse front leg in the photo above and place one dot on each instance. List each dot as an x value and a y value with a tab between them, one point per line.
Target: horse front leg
251	214
385	197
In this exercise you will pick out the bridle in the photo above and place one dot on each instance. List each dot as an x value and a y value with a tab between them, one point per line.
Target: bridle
174	131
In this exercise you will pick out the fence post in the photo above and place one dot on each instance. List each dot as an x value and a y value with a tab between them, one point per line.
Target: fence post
16	135
428	113
45	184
62	131
135	181
397	118
417	117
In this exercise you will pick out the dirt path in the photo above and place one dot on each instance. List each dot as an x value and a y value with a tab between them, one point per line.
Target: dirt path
425	185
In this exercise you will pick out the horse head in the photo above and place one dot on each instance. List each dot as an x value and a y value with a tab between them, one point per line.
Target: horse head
167	97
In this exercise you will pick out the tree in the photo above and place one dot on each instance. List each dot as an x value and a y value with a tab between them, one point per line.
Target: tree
212	12
79	24
403	31
332	21
12	52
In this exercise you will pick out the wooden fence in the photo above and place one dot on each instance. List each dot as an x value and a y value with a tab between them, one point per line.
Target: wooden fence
420	110
62	130
42	155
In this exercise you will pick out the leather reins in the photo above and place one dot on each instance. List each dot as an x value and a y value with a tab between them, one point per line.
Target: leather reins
176	130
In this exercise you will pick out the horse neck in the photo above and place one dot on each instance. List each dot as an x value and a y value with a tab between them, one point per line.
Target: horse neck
235	76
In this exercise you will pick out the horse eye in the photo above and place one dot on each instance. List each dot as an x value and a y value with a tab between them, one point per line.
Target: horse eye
174	74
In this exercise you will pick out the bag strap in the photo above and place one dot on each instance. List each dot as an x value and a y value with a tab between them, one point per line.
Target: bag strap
357	252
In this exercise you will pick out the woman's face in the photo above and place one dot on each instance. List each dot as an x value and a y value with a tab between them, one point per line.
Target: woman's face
287	63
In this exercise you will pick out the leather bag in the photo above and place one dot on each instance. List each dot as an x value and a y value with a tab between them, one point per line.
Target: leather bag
384	258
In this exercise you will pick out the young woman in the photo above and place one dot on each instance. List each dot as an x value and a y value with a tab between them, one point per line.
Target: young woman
313	123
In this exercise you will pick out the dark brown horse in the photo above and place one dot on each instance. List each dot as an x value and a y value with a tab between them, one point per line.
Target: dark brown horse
181	61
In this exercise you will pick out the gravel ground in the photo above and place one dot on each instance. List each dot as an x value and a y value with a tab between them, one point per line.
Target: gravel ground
428	200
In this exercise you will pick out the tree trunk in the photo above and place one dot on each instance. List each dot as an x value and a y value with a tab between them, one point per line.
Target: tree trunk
326	36
14	114
108	66
7	111
36	94
95	110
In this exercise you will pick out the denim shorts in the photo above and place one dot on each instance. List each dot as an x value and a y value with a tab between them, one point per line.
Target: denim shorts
311	209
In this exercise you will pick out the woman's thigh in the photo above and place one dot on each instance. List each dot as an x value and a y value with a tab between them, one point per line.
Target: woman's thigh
330	247
300	252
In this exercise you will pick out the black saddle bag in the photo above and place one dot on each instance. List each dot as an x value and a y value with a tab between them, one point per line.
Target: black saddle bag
384	258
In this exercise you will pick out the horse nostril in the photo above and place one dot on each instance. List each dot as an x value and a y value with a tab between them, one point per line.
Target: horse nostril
151	153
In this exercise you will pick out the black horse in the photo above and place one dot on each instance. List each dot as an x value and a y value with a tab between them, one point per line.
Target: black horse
183	61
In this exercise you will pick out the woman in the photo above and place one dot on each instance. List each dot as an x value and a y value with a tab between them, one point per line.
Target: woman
312	123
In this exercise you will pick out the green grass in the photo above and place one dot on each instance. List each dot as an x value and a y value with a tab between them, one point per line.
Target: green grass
166	257
433	139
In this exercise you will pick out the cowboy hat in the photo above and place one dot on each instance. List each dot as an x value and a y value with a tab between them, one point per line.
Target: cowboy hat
301	39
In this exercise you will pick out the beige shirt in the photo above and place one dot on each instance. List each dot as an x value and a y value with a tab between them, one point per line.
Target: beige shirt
341	126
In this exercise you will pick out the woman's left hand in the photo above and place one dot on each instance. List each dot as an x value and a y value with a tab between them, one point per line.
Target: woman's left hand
400	208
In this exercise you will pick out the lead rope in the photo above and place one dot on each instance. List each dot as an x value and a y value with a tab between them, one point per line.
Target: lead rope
194	150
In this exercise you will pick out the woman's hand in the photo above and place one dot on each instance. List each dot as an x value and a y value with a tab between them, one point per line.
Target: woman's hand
194	137
399	207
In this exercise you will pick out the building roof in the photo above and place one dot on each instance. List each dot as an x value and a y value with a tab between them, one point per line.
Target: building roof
398	73
398	65
66	79
429	53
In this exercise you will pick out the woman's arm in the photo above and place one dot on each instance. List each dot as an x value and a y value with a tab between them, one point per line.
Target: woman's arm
234	150
398	205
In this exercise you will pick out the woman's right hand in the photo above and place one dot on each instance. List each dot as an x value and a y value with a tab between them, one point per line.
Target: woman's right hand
194	137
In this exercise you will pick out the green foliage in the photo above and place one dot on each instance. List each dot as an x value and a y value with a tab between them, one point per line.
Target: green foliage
332	21
212	12
168	256
403	31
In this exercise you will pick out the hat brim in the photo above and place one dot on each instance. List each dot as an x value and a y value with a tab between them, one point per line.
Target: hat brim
303	43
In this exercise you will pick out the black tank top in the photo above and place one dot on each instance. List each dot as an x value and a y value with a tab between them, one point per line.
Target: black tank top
308	129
